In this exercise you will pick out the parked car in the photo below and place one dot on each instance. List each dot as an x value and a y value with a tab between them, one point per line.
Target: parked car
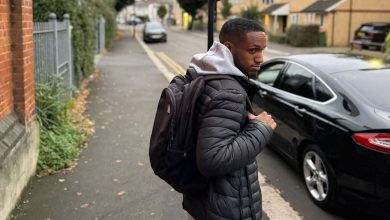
371	35
134	21
154	31
333	116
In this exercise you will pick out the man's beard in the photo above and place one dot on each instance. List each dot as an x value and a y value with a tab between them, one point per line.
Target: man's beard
252	75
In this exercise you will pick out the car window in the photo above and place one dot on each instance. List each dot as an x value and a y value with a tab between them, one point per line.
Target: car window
323	94
153	26
269	73
381	28
366	28
298	81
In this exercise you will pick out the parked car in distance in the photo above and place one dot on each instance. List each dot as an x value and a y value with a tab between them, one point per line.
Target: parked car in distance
333	117
154	31
371	35
134	21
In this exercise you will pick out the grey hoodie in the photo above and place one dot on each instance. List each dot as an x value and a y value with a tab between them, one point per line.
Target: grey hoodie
218	60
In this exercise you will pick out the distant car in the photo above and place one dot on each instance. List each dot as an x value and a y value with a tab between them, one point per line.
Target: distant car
134	21
333	117
371	35
154	31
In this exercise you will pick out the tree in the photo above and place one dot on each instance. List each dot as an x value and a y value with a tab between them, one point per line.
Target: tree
161	11
120	4
191	7
226	6
251	13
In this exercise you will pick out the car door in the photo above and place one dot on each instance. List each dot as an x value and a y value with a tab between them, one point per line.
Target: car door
289	101
269	76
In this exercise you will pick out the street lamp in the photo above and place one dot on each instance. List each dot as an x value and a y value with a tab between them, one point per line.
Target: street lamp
210	26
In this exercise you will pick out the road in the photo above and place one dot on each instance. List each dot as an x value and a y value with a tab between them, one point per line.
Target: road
284	193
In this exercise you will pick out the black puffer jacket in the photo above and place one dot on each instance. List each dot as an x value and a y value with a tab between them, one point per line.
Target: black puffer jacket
227	146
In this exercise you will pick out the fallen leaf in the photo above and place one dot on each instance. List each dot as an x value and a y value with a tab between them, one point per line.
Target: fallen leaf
83	206
152	213
79	194
121	193
61	180
118	161
115	180
140	164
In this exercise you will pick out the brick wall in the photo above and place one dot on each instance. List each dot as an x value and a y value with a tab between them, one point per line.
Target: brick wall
6	95
16	59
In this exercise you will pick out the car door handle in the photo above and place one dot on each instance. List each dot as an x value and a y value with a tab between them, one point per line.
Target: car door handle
300	111
263	93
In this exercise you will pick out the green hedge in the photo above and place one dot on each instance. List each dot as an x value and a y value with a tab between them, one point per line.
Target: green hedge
277	38
387	49
83	18
303	35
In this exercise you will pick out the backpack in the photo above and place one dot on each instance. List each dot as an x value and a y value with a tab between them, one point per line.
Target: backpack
173	139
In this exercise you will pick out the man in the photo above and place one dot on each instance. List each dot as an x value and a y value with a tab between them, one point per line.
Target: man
230	135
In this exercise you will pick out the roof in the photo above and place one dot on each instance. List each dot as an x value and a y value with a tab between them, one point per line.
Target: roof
321	6
272	8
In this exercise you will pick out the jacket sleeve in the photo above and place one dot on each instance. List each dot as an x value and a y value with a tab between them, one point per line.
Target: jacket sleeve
221	147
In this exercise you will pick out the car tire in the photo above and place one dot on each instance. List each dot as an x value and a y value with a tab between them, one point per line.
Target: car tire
319	178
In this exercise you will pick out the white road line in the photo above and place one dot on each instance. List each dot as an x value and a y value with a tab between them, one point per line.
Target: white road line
160	66
274	205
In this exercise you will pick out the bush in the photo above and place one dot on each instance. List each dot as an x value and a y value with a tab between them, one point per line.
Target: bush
277	38
303	35
251	13
198	25
83	19
387	48
61	133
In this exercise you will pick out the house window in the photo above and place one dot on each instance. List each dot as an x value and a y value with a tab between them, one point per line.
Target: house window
268	1
234	2
321	20
294	18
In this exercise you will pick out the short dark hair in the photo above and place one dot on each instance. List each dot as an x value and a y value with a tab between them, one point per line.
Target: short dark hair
237	28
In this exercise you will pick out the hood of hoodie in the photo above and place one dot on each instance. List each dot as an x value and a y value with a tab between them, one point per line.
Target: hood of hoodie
218	60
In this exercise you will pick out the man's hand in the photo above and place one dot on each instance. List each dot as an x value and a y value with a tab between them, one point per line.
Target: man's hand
263	117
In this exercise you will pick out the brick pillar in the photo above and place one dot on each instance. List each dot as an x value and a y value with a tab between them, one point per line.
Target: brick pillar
22	46
6	98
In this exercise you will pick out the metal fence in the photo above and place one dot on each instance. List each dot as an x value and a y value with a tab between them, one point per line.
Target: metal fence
100	35
53	50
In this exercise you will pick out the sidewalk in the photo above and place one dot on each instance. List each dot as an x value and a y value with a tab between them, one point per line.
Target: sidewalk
113	179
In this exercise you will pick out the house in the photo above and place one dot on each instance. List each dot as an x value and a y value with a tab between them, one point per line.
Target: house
340	18
337	18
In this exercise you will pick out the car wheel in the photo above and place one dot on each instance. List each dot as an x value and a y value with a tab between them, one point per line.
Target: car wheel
319	177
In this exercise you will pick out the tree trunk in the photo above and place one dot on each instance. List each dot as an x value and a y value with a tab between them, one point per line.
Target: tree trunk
192	21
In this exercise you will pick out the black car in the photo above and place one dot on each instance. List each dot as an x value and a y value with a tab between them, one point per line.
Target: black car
333	117
154	31
371	35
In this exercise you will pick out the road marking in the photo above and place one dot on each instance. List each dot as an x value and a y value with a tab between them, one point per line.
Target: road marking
273	203
160	66
176	67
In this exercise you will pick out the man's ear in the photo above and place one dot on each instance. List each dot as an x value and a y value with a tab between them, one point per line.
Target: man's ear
229	45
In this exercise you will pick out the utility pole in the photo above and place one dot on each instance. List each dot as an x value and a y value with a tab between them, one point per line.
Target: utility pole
210	26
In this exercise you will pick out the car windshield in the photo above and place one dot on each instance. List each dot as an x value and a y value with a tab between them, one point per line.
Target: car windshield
373	85
151	26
